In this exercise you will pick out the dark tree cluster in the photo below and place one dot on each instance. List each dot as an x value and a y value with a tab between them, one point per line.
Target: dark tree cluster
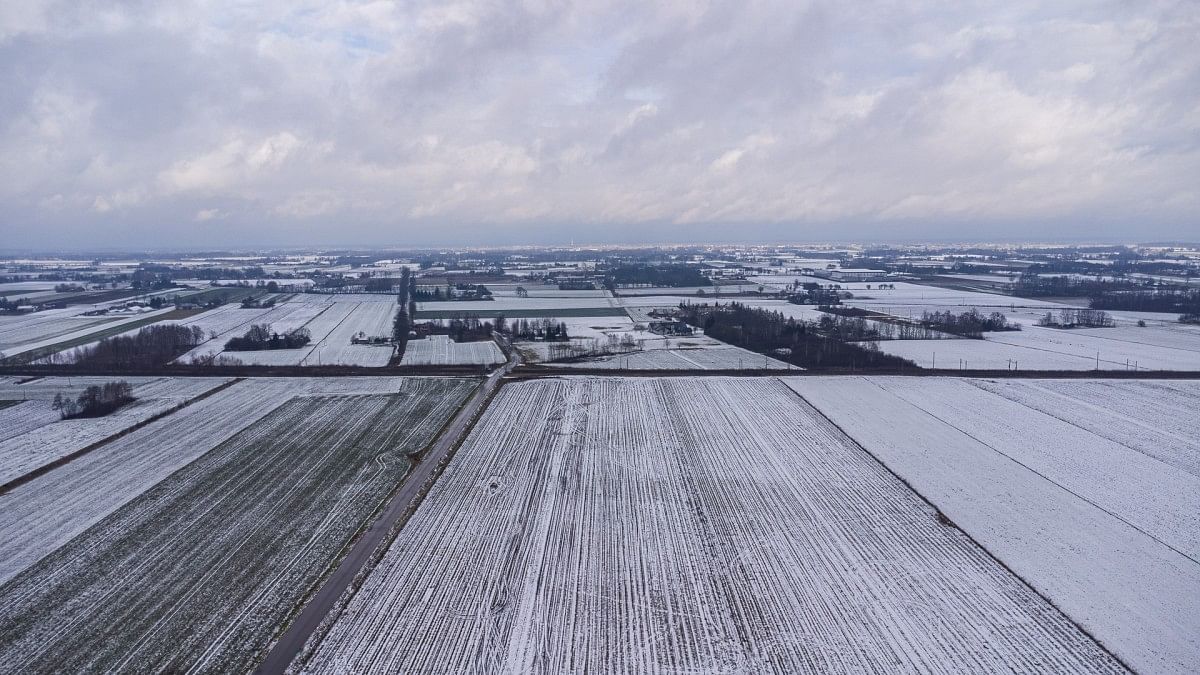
150	346
673	274
812	294
95	401
10	306
452	292
1077	318
260	337
464	328
1159	300
971	323
802	343
548	330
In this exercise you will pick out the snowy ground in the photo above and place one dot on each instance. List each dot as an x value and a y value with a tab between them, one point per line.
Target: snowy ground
1155	347
55	438
331	319
440	350
719	357
198	572
45	329
1088	490
668	525
514	306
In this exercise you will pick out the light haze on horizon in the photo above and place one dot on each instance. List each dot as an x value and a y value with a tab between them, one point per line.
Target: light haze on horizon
218	124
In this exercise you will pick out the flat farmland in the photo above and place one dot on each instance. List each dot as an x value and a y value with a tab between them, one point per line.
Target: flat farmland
45	438
199	572
700	525
441	350
1077	486
704	357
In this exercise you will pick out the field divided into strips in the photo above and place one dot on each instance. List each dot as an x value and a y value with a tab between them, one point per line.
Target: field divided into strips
725	357
201	570
66	327
18	417
1085	489
56	438
48	511
440	350
332	321
667	525
373	316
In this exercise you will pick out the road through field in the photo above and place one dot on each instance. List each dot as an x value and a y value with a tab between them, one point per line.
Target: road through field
325	600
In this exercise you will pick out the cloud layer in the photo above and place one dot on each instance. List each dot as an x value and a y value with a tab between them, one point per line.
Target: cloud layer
218	123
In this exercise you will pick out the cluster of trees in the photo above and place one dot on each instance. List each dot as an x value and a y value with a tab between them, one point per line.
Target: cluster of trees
971	323
1077	318
95	401
802	343
452	292
151	346
464	328
1034	286
146	280
811	293
261	337
68	288
9	306
673	274
548	330
1160	300
848	328
611	344
1185	318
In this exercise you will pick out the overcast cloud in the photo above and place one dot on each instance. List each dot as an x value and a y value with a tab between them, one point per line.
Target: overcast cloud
410	123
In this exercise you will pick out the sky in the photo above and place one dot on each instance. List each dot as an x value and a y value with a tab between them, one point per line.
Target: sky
223	123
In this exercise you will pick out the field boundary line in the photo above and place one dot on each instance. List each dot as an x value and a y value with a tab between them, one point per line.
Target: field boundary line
1043	476
66	459
950	523
284	655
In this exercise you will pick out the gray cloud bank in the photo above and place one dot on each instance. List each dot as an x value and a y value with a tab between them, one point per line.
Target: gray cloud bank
217	123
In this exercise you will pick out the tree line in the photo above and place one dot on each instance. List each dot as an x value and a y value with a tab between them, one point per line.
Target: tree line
802	343
150	346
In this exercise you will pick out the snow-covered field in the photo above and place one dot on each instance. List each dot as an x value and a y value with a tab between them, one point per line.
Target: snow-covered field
48	328
332	320
56	438
48	511
198	572
440	350
543	291
514	306
699	525
24	416
1088	490
1155	347
721	357
709	291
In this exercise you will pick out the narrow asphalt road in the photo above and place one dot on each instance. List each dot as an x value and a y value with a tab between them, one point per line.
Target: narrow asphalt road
310	618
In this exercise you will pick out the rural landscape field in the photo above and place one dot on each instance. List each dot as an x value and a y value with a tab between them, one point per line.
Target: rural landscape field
711	460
